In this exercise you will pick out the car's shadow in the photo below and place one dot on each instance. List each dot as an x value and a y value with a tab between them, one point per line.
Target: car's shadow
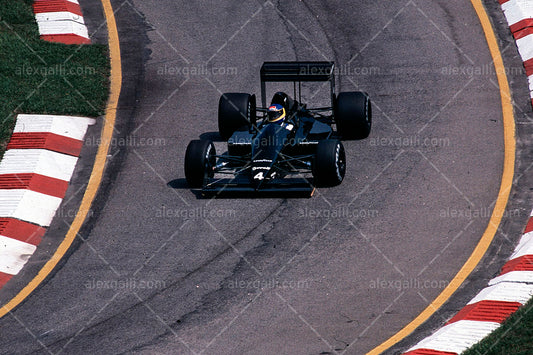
181	184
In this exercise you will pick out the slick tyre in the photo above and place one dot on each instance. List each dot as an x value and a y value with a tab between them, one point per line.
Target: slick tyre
329	166
236	111
199	162
353	115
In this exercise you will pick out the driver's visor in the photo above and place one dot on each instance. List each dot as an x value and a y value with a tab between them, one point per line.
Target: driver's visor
276	115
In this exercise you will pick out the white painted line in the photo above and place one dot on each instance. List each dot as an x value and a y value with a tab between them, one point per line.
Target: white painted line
517	10
525	47
38	161
62	28
457	337
68	126
59	16
513	276
506	292
14	254
29	206
524	247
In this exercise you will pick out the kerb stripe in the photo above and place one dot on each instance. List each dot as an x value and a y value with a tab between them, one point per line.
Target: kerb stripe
487	311
43	6
45	140
20	230
35	182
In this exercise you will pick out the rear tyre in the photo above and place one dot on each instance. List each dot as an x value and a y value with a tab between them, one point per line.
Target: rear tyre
235	112
199	162
353	115
329	166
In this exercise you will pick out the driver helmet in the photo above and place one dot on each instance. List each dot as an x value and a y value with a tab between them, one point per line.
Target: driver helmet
276	113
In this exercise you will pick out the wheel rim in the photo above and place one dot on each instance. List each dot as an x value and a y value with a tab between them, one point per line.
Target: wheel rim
340	162
368	112
209	173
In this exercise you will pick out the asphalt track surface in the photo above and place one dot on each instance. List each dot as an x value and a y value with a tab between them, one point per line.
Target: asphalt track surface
159	270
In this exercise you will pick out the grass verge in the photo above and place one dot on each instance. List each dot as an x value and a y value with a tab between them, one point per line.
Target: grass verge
514	337
46	78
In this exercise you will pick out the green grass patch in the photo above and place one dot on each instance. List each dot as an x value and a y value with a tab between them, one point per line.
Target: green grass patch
514	337
46	78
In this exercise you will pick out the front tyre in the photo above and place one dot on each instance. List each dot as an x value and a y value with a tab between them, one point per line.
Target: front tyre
353	115
199	162
329	166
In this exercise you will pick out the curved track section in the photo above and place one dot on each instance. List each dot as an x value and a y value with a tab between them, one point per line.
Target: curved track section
162	271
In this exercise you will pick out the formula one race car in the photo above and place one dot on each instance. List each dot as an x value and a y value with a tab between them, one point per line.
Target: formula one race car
273	148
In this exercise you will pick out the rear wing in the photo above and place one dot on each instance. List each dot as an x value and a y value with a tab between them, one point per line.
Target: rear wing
297	72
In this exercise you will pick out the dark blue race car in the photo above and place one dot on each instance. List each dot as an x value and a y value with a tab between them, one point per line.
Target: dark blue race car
283	147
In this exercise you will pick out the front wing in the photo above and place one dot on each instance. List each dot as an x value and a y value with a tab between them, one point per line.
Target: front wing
275	187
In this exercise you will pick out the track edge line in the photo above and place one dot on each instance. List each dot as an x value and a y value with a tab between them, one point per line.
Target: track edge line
503	194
